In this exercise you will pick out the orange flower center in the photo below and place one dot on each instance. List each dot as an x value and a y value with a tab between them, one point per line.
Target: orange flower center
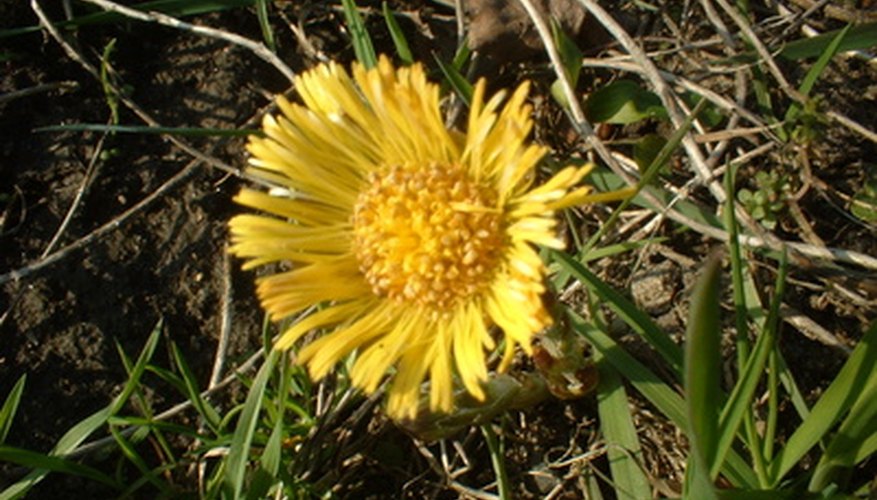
429	236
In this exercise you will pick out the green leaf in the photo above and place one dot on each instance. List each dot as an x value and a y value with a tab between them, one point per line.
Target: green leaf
399	41
459	83
129	450
619	433
646	149
864	203
570	58
239	452
837	399
702	372
819	66
844	449
623	102
362	42
48	463
862	36
10	406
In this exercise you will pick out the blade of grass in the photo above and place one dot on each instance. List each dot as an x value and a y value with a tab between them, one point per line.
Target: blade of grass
772	330
238	455
619	433
137	370
130	452
269	463
265	24
85	428
638	320
702	372
143	129
815	72
845	447
39	461
837	399
399	41
862	36
10	406
210	415
457	81
497	459
362	42
656	391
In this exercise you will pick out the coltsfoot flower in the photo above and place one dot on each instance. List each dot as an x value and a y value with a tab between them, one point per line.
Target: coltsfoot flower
416	240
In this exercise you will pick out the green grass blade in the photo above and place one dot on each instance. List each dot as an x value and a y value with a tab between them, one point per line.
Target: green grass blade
10	406
619	433
457	81
837	399
862	36
844	449
656	391
238	455
39	461
399	41
497	459
138	369
702	369
362	42
265	24
634	317
143	129
816	71
772	331
146	474
741	397
210	415
69	441
269	463
819	66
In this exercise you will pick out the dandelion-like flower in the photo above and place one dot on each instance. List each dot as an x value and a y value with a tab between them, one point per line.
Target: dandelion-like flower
416	240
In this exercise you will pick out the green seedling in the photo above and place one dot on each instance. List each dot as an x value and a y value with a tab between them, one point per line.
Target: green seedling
768	201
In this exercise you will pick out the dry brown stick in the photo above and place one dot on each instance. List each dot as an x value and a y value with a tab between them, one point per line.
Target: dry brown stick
765	55
171	183
225	322
853	125
578	116
761	239
256	48
668	100
37	89
112	225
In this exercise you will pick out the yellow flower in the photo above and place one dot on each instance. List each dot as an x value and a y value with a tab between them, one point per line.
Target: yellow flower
416	239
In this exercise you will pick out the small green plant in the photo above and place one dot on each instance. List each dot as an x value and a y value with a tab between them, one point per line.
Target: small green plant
768	200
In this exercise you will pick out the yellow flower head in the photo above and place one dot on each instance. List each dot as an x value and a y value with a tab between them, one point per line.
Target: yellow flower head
416	238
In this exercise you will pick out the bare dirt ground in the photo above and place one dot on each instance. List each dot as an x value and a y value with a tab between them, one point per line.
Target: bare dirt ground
62	323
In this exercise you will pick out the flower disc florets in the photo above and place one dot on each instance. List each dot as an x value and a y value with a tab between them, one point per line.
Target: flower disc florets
429	236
